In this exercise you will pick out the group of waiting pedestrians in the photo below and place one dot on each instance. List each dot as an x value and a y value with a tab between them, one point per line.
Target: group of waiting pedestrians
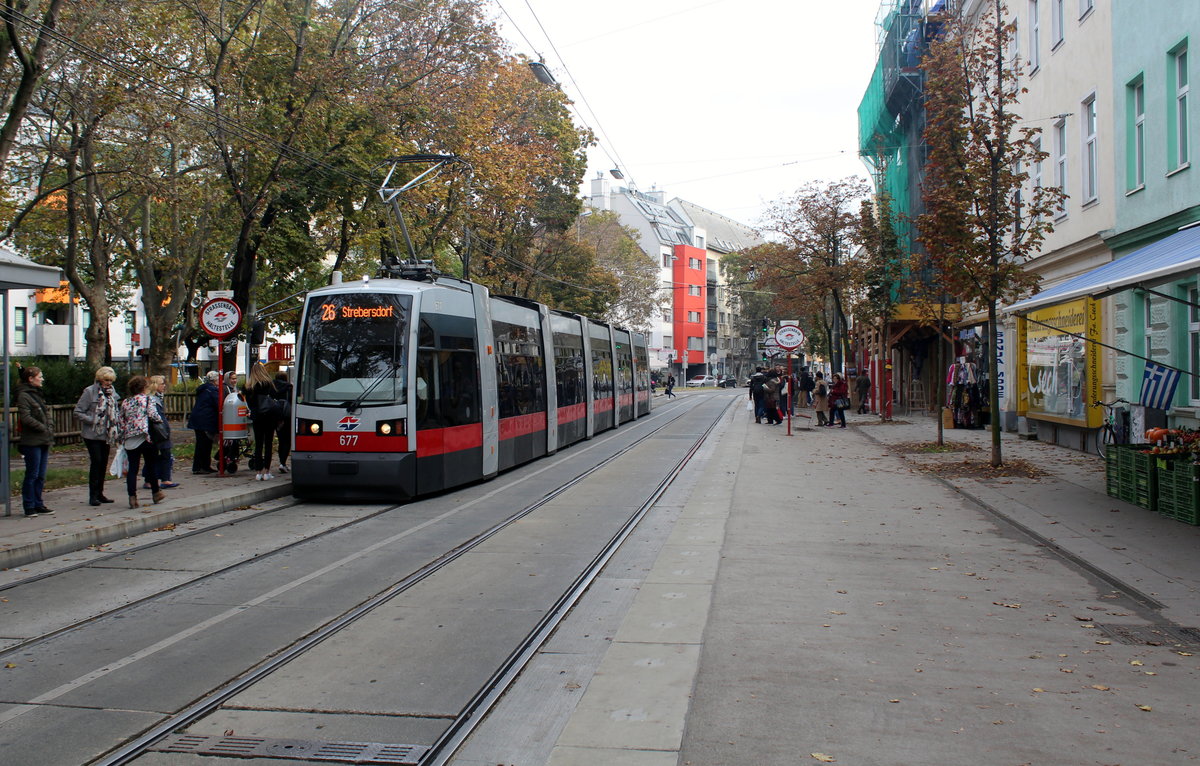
770	389
125	436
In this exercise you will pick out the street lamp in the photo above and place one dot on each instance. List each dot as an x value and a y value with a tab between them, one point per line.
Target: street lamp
542	73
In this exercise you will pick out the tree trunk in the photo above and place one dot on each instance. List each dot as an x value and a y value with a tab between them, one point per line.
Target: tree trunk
994	388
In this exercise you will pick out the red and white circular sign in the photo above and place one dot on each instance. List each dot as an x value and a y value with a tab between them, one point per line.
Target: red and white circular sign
220	317
789	337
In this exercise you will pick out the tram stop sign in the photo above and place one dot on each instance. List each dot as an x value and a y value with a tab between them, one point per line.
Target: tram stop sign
220	318
789	338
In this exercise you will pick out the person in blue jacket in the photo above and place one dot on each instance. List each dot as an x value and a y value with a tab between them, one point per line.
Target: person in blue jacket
203	420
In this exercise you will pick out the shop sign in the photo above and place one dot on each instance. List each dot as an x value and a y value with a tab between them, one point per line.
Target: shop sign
1061	372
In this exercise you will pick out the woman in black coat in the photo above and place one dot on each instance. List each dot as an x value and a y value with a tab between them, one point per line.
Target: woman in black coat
203	420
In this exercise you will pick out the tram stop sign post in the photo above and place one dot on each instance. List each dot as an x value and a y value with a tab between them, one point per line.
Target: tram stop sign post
789	338
220	318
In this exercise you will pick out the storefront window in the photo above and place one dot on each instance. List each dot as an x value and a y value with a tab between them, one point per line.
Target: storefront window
1061	367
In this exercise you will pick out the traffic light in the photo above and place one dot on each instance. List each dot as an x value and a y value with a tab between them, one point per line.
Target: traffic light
766	326
258	332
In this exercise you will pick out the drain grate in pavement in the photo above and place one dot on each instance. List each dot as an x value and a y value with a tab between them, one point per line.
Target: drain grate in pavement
294	749
1153	635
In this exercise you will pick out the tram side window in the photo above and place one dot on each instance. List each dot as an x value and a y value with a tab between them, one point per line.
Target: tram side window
520	369
602	370
568	371
447	373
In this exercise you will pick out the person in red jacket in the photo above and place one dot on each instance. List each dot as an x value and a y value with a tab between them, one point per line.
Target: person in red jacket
839	394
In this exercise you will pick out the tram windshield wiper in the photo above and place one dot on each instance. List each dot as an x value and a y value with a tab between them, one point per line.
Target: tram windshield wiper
355	404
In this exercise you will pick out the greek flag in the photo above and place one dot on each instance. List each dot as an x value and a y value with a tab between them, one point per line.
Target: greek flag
1158	386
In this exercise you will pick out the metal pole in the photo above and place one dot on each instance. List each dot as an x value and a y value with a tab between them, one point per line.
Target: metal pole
791	394
5	481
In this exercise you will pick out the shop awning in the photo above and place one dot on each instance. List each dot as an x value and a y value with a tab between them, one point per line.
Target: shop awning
1172	257
21	273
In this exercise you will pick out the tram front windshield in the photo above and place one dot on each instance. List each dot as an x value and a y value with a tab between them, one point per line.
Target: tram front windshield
354	350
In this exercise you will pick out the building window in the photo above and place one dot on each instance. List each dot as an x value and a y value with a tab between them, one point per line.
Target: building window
1060	162
85	320
1194	340
1136	161
1085	7
666	315
130	327
1056	22
1090	158
694	290
693	316
699	241
1034	37
667	258
694	263
1177	137
21	326
695	344
668	341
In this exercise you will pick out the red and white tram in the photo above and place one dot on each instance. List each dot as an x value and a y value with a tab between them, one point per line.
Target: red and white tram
409	387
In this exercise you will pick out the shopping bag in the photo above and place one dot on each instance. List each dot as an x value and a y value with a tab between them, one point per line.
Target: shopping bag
749	405
120	463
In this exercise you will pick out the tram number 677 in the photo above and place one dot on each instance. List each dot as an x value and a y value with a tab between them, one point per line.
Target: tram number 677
348	440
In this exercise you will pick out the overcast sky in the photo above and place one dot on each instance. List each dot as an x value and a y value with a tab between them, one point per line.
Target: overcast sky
730	104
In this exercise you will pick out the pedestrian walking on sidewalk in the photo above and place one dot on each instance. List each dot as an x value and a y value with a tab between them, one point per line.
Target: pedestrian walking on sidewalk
668	389
285	426
96	412
156	390
862	386
266	402
821	399
756	392
203	420
136	412
839	400
37	434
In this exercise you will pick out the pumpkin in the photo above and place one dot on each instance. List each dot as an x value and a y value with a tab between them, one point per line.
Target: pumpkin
1155	435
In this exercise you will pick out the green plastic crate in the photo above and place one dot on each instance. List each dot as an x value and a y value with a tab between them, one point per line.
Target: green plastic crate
1179	490
1130	474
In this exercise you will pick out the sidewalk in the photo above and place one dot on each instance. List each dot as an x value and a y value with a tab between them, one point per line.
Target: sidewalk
75	525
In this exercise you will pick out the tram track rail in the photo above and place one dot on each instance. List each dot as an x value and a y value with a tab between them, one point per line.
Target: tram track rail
462	725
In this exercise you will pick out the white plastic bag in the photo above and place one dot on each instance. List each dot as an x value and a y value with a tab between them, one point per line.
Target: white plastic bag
120	463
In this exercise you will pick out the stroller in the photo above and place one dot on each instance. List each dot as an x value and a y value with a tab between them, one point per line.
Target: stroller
233	451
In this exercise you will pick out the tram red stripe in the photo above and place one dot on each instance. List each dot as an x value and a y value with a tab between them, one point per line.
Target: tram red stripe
571	413
520	425
604	405
440	441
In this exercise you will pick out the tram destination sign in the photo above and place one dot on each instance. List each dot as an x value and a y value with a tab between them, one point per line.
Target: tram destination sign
220	317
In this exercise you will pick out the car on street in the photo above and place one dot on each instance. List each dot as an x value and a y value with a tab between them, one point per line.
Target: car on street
701	380
728	382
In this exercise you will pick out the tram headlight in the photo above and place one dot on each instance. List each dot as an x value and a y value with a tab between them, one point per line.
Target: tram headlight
390	427
310	427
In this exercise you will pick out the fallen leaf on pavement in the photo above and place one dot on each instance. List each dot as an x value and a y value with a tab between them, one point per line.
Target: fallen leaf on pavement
1145	708
823	758
1100	687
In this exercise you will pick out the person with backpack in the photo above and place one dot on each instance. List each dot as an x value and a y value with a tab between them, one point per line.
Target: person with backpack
668	388
266	401
807	384
756	393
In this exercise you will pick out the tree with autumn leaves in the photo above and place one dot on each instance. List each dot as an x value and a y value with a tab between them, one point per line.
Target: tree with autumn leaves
813	267
982	220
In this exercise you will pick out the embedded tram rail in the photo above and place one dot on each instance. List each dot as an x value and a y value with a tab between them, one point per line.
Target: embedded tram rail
430	749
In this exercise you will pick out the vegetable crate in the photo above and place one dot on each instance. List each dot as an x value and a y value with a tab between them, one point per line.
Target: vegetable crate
1130	475
1179	490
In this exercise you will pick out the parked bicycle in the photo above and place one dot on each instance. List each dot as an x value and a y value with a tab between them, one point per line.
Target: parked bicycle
1107	432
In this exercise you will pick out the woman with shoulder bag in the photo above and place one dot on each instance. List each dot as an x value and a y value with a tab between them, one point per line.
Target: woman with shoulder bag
156	389
821	399
265	400
839	400
97	414
136	415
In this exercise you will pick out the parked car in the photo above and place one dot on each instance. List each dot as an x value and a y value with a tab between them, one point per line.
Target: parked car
728	382
701	380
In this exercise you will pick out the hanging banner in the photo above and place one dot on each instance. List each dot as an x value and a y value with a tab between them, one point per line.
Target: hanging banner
1060	374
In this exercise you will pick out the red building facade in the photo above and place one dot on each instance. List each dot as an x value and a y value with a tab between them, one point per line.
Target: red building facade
689	274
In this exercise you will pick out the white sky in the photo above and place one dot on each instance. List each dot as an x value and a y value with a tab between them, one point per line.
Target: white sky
730	104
